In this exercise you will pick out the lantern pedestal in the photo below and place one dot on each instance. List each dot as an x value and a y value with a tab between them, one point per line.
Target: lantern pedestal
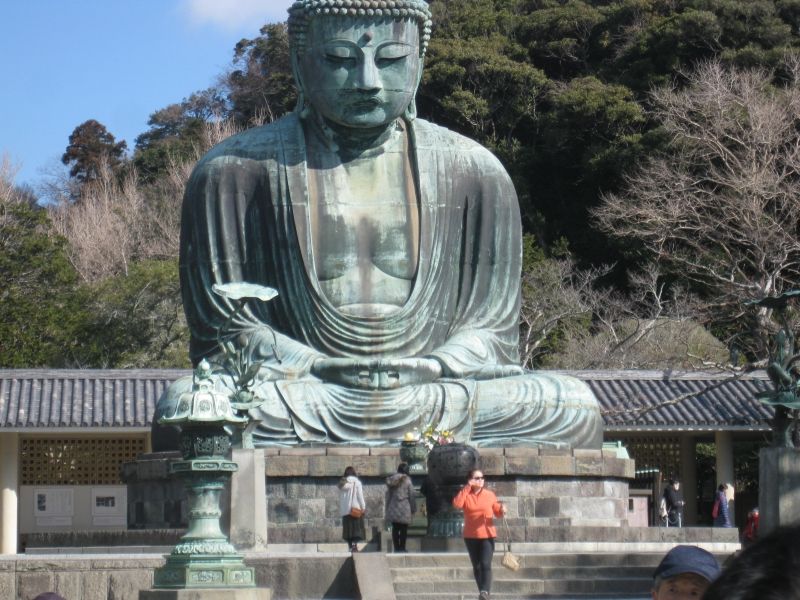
204	558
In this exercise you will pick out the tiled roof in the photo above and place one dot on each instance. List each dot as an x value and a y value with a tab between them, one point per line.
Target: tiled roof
630	400
49	398
665	400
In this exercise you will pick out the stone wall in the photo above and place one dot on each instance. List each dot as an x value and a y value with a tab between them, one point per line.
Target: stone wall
121	578
542	487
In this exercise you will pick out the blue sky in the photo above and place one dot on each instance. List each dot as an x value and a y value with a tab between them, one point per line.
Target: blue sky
63	62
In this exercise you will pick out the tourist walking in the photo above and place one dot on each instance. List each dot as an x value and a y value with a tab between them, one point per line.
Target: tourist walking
352	508
400	505
480	506
673	499
720	509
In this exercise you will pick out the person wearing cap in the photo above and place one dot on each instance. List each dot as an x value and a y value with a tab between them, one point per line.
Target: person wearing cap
684	573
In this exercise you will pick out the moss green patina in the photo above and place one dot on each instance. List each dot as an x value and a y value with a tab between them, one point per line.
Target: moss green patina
395	248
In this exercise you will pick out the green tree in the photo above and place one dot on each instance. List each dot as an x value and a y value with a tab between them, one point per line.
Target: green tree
41	307
136	320
176	132
260	84
91	147
589	133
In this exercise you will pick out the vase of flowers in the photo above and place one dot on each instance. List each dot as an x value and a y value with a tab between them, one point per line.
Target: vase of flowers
413	451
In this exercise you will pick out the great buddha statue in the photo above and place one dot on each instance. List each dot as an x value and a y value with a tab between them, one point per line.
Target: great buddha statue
395	248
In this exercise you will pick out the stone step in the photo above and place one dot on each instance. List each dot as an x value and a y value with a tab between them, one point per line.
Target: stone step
426	560
405	574
563	576
522	586
501	596
448	576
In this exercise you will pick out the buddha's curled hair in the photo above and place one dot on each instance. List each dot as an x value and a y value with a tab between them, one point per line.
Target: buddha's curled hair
301	11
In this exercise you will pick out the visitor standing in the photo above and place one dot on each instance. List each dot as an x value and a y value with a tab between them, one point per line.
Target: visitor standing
750	532
352	508
400	505
674	502
480	506
720	509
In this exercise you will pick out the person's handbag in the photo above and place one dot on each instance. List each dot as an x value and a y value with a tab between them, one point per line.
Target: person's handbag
356	513
509	561
715	509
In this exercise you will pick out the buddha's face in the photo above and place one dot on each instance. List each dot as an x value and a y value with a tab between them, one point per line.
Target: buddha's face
360	73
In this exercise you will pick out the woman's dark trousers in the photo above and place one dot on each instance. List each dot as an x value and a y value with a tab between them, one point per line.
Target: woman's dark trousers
480	555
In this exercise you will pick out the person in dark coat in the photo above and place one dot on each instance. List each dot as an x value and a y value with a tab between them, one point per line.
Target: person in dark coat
675	503
400	505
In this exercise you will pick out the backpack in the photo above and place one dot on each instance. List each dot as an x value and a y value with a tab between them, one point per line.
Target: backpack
715	509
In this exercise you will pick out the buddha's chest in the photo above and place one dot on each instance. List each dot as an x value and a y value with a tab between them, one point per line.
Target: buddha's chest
364	217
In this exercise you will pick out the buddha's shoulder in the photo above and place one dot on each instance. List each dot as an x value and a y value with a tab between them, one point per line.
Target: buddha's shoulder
435	137
257	143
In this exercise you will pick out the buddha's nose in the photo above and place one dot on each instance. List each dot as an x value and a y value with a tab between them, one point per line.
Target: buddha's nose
368	77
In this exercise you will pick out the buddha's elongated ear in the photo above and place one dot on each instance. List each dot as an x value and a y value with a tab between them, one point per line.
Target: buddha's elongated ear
302	104
411	110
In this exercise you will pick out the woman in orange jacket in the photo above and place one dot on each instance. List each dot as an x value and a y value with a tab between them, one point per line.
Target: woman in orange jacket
480	505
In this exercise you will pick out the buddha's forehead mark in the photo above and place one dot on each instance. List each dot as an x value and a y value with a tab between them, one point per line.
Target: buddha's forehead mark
367	37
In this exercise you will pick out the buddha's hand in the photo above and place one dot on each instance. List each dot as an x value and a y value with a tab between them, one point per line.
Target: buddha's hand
498	372
377	374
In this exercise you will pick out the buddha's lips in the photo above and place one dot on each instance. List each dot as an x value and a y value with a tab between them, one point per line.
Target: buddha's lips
364	103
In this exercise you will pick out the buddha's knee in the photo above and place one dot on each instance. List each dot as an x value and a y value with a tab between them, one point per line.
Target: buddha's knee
537	388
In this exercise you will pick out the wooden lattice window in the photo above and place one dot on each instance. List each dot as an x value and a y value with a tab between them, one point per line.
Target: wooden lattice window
76	461
654	453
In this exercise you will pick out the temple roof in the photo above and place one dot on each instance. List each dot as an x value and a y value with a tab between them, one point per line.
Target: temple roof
74	400
679	401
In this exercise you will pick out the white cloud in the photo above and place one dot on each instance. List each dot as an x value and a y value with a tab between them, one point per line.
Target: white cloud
231	15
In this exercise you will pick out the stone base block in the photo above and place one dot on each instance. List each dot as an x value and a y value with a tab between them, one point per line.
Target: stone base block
194	572
207	594
779	488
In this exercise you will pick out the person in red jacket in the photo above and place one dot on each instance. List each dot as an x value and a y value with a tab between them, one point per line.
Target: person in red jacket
480	505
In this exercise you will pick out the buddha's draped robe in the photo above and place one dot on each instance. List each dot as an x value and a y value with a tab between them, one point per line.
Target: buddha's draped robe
246	218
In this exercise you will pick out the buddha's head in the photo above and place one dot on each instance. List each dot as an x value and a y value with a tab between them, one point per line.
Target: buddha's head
358	62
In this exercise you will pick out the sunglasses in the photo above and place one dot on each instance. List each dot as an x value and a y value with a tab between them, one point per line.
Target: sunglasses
481	477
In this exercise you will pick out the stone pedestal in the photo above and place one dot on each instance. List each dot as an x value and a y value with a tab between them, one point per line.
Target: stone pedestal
778	488
541	487
200	594
248	512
